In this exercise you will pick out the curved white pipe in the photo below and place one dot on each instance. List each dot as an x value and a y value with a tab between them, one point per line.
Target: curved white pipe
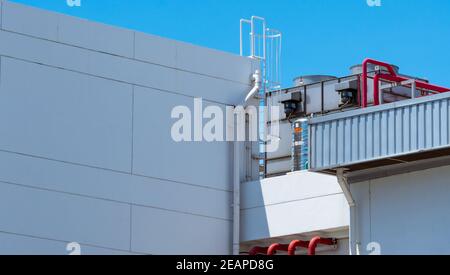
257	80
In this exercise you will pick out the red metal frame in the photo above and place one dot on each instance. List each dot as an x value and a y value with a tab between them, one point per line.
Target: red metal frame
419	84
392	77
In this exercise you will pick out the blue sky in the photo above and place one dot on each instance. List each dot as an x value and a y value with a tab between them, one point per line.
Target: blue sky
320	36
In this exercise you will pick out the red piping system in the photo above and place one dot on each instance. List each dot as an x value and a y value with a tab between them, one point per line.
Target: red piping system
365	76
257	250
294	244
419	84
393	77
277	247
316	241
291	248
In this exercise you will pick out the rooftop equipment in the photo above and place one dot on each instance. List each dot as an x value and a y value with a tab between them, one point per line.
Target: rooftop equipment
370	84
310	79
392	77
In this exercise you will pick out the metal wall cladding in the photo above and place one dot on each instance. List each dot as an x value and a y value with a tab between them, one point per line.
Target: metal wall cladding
380	132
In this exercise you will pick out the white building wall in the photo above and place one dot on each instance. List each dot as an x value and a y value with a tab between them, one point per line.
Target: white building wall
85	148
405	214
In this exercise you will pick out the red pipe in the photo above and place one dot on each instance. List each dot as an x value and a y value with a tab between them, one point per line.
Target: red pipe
277	247
365	75
419	84
294	244
316	241
257	250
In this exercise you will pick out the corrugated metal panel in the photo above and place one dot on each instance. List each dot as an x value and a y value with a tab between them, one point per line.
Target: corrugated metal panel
375	133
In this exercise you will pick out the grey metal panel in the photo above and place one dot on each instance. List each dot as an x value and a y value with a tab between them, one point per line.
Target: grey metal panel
285	143
163	51
361	193
1	12
95	36
331	97
123	69
184	234
314	98
213	89
44	24
13	244
279	166
156	154
405	213
66	116
204	61
132	71
30	21
64	217
44	52
380	132
110	185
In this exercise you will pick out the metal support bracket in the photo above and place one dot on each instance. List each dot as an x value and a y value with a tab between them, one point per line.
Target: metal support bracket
342	180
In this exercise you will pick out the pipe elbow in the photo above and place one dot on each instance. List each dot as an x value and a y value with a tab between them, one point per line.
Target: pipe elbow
256	77
294	244
318	240
276	247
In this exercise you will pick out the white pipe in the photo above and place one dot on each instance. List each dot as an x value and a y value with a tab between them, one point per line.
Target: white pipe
354	235
237	175
257	80
236	199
